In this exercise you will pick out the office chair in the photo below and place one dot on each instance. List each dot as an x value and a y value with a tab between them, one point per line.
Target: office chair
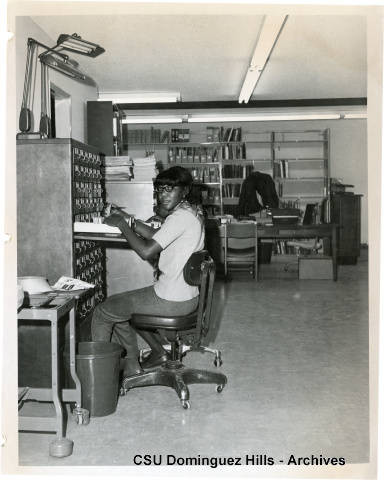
240	247
186	330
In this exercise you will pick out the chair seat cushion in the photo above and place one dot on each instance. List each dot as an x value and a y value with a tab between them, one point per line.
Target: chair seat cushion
153	322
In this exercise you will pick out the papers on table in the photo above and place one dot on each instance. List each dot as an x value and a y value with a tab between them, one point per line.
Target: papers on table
88	227
144	169
69	283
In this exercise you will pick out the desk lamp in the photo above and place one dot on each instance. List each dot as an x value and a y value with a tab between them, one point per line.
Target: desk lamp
51	57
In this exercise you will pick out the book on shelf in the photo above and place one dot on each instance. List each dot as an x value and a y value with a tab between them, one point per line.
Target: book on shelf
210	134
165	137
190	154
221	134
231	190
231	134
231	151
144	136
237	171
283	169
213	134
179	135
228	134
237	135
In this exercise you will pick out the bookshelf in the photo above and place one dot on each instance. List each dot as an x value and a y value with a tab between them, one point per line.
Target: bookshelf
301	166
220	158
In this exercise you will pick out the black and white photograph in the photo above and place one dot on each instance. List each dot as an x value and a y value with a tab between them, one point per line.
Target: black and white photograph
192	217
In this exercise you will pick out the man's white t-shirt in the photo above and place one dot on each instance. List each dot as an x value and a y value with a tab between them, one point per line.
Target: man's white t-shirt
181	234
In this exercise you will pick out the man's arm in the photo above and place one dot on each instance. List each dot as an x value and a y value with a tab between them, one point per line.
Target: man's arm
146	248
139	226
144	230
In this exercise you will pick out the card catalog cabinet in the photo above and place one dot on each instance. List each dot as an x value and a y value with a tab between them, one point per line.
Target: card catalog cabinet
59	181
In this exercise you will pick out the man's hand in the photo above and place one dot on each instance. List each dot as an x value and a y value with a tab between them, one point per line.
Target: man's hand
114	220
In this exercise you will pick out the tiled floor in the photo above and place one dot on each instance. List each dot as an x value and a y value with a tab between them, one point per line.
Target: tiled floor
296	357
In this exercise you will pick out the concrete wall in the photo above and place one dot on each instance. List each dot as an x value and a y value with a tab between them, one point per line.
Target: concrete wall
79	92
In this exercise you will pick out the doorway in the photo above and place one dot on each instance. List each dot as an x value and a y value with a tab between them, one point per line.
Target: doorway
60	112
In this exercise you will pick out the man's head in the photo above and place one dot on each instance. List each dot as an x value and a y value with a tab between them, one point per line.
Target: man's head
172	186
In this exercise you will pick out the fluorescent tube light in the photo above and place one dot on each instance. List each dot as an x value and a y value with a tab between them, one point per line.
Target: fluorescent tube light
74	43
68	68
353	115
148	119
140	97
250	117
269	33
263	118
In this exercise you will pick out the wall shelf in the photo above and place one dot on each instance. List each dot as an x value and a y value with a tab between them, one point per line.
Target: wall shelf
294	159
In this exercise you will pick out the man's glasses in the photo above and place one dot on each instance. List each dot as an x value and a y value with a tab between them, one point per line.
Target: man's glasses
164	188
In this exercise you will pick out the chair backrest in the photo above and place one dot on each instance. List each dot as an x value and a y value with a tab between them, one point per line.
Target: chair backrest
200	271
240	235
240	230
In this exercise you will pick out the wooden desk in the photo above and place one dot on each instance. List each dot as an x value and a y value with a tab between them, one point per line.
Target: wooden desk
324	230
54	313
276	232
215	237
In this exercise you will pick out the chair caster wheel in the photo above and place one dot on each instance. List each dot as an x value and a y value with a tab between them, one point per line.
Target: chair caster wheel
218	361
219	388
81	416
122	392
185	404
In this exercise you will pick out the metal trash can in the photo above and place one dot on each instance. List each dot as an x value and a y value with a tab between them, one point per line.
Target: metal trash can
98	368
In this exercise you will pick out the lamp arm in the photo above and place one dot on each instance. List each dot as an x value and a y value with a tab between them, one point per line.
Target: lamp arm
47	49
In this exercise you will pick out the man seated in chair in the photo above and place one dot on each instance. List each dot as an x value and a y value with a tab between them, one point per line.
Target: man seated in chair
181	234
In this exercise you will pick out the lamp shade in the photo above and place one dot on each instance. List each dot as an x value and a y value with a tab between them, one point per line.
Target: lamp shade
74	43
68	68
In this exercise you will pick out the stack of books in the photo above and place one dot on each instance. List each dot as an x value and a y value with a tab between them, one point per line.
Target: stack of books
144	169
118	168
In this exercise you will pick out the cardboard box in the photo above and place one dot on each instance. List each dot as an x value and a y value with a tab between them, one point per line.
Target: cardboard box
315	267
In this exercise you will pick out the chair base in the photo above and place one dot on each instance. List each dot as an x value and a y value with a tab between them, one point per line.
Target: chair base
173	374
144	352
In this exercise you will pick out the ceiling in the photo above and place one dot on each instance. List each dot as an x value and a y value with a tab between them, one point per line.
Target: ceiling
205	58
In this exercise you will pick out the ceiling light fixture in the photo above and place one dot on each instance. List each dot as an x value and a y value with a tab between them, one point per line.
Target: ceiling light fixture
74	43
140	97
354	115
268	36
263	117
149	119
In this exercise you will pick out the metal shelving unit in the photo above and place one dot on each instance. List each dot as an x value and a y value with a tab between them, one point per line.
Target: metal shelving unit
297	160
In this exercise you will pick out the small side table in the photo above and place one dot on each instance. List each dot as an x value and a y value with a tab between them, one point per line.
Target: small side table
54	312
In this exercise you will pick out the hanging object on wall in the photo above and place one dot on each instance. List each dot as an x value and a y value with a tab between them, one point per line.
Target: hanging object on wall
45	121
51	57
25	118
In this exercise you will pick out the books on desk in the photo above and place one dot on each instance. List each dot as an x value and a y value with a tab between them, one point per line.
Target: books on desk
87	227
